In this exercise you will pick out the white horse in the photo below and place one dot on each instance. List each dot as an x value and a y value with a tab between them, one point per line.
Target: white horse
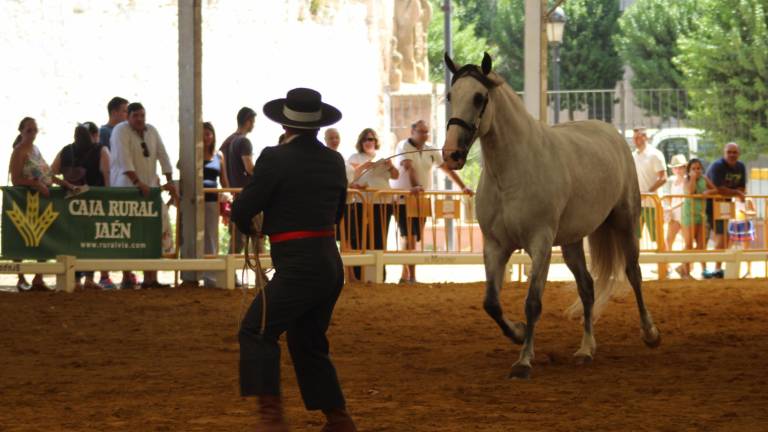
544	186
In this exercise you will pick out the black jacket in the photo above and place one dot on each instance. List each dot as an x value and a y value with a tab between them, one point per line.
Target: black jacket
301	185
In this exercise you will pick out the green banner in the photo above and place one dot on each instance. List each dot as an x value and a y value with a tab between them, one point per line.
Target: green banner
98	223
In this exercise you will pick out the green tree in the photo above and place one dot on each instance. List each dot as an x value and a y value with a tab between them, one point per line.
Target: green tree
479	12
725	66
507	34
467	46
501	23
589	59
648	41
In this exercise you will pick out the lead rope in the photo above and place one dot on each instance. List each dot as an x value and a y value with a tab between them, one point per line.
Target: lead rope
254	263
381	161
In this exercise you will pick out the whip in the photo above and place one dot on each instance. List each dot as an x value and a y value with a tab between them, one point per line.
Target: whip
381	161
254	263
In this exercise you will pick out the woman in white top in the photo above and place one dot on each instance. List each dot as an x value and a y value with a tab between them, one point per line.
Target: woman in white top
28	168
372	176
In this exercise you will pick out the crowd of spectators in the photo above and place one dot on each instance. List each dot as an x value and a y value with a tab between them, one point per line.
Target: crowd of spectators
127	150
124	152
409	168
694	216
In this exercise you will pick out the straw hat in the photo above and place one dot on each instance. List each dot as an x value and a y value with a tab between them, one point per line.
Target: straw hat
678	160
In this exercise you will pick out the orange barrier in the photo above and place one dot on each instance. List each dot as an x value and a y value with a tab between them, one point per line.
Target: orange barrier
350	231
443	222
651	228
430	221
686	225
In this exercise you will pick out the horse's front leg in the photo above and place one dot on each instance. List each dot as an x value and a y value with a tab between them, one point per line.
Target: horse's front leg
496	257
540	253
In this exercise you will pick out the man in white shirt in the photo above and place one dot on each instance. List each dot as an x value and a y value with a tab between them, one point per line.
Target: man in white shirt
415	168
136	150
651	176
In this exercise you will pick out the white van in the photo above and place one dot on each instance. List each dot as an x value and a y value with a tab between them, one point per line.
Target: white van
686	141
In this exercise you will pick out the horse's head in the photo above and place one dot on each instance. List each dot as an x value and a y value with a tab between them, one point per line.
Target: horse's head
468	96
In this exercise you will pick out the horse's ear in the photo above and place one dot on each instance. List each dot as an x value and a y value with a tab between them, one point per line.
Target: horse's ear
487	64
451	66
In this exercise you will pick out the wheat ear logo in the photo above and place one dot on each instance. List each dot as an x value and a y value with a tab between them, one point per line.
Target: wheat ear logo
31	224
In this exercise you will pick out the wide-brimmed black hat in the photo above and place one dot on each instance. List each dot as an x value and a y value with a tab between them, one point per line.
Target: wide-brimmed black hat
302	108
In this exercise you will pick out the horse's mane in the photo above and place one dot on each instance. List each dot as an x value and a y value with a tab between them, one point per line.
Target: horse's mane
489	81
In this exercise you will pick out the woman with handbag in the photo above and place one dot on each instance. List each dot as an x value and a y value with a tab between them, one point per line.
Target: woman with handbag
85	162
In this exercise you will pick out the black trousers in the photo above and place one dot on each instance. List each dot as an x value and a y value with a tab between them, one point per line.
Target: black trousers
300	299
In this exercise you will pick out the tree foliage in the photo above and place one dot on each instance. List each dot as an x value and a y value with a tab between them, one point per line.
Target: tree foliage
725	67
467	46
507	34
648	41
589	59
495	26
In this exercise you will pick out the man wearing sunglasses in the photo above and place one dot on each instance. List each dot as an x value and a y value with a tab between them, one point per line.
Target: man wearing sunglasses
136	149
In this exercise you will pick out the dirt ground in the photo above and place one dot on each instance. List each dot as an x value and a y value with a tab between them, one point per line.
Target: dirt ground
411	358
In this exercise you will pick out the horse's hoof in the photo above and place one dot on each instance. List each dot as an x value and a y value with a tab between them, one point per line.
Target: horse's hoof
520	372
653	340
516	332
582	359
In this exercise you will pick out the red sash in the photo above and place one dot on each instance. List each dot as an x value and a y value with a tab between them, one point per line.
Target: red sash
296	235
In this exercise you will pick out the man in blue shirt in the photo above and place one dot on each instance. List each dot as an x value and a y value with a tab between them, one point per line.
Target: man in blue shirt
729	175
118	112
117	108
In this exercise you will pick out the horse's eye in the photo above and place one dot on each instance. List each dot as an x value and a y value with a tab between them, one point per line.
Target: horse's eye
478	100
448	97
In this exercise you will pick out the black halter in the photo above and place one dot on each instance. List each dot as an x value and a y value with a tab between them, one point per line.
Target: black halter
474	72
471	128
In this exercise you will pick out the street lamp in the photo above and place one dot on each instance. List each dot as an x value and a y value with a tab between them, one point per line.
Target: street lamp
555	28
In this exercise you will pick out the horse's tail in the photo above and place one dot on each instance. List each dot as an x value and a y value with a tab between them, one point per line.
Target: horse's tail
607	267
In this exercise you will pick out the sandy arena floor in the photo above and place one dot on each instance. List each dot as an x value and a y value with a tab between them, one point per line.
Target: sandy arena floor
417	358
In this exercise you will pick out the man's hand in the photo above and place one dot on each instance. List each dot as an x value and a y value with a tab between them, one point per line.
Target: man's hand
417	189
143	189
171	188
468	191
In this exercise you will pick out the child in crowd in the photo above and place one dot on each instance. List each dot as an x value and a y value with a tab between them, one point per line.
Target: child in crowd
693	217
741	230
674	204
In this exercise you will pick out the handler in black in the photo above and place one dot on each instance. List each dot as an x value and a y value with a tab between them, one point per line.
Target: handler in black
301	187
